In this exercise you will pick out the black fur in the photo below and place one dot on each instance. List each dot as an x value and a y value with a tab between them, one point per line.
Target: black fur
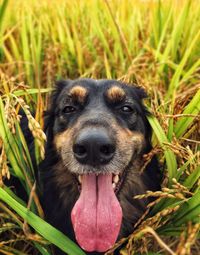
58	206
59	188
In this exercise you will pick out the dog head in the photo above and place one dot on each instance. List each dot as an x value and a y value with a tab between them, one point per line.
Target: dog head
100	131
98	125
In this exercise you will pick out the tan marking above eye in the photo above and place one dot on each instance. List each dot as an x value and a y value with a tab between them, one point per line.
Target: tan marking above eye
115	94
78	93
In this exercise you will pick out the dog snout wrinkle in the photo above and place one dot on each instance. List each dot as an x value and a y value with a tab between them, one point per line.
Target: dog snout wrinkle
93	147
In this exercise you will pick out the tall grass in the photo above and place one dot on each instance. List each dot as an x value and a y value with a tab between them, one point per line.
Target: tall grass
153	43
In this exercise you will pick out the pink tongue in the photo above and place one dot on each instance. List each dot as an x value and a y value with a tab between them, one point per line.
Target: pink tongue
97	214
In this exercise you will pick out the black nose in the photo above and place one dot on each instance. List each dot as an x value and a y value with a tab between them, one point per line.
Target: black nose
93	147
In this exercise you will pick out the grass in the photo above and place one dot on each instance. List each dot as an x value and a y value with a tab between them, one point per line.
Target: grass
153	43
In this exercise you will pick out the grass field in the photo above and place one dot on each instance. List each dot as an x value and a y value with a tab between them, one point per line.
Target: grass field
155	44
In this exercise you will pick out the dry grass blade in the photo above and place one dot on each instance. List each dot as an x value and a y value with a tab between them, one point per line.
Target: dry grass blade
152	43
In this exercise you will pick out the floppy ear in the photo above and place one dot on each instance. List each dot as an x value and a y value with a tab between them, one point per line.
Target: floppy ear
49	115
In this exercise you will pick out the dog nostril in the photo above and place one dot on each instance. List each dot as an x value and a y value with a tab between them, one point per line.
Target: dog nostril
80	150
93	147
107	150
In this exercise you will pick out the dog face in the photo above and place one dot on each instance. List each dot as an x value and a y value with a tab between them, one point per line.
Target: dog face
98	126
99	131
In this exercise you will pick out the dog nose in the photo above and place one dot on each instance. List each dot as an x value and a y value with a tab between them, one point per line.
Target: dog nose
93	147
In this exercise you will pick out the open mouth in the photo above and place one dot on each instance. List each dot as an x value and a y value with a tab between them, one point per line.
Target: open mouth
97	214
117	180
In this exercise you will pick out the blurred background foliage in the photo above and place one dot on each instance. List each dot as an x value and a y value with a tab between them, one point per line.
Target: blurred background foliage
155	44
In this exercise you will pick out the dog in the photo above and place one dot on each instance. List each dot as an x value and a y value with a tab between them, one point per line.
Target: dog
97	133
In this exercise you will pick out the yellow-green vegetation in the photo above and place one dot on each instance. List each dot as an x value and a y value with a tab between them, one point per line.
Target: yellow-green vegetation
152	43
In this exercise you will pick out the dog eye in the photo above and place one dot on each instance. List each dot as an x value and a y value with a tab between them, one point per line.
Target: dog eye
69	109
127	109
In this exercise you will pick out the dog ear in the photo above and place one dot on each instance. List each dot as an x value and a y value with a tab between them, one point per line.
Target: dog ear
49	115
138	92
141	93
59	86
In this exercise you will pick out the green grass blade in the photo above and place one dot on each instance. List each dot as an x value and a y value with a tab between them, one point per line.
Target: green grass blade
179	28
183	168
43	228
3	7
192	178
163	33
188	74
31	91
176	77
162	138
9	143
41	249
2	12
192	108
172	44
189	211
